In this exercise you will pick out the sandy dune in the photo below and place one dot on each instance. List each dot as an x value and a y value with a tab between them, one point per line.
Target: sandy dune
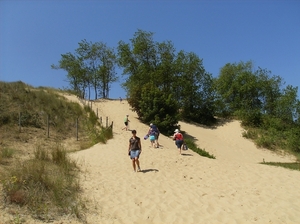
189	188
173	188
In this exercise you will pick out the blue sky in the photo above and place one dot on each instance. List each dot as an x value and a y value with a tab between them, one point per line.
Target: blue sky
34	33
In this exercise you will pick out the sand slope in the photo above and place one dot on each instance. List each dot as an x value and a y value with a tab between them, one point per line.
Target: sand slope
187	188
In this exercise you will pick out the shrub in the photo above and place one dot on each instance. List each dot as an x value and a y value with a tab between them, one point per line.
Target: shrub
250	134
266	142
293	140
49	187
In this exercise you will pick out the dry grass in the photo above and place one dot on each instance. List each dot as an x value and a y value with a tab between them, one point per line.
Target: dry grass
37	175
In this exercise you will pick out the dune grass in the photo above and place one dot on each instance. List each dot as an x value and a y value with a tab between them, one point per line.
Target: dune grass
192	146
48	184
292	166
273	139
6	152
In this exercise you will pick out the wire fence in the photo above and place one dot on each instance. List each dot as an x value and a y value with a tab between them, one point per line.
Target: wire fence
104	122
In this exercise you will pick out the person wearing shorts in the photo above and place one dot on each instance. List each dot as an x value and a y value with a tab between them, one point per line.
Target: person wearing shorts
134	151
178	137
155	129
152	139
126	120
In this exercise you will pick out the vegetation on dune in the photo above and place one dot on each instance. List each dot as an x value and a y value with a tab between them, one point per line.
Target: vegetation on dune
202	152
47	184
36	170
92	66
164	86
292	166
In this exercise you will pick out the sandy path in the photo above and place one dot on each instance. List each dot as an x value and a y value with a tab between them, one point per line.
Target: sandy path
234	188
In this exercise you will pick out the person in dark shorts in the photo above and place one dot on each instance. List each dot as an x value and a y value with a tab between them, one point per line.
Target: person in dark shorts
178	137
134	151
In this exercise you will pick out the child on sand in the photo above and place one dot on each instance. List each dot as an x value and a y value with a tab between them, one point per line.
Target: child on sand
151	135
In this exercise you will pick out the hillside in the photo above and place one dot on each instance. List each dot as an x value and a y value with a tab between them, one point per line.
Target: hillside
188	188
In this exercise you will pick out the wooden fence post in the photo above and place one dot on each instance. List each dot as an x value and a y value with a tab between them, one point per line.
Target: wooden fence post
77	128
48	125
106	121
19	121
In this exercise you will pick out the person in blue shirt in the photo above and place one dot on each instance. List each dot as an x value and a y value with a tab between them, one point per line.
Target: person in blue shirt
154	129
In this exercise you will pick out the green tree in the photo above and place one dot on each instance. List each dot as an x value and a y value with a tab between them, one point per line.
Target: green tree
148	65
241	92
159	107
155	72
92	65
76	75
287	105
99	61
194	88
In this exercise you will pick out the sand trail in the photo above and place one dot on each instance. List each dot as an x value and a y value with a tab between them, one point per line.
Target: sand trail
188	188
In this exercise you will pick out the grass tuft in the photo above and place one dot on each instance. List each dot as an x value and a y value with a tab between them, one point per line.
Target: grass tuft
191	145
293	166
48	184
6	152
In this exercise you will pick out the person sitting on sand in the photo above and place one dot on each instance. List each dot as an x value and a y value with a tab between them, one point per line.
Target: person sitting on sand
134	151
178	137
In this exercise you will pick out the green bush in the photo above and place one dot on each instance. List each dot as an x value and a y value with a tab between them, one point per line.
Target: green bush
250	134
249	118
266	142
293	140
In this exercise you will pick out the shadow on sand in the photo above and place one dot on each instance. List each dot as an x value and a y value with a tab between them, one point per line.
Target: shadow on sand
150	170
186	154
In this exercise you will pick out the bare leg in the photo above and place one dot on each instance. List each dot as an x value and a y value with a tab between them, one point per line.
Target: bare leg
133	165
138	164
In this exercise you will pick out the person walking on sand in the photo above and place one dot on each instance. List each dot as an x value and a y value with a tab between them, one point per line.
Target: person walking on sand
126	120
155	129
178	137
151	134
134	151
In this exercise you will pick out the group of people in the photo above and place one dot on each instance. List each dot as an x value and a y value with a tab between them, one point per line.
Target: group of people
135	145
153	134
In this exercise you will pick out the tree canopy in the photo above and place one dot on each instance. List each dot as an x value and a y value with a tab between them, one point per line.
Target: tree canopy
92	66
164	85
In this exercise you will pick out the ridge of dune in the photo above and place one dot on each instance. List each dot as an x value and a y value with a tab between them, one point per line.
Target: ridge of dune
176	189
